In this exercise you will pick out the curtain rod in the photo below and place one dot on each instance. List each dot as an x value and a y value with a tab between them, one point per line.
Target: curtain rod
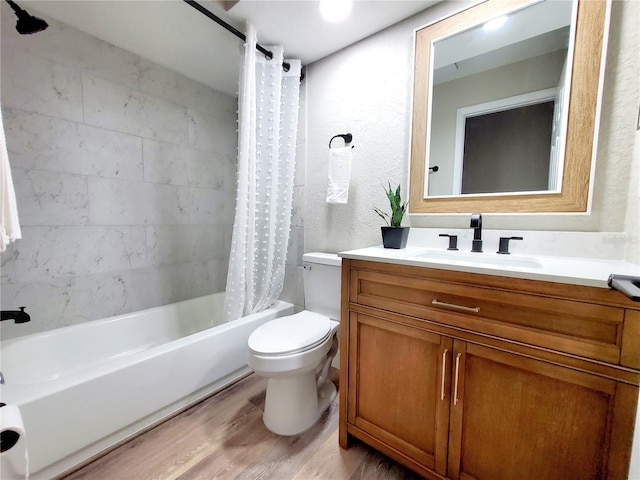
233	30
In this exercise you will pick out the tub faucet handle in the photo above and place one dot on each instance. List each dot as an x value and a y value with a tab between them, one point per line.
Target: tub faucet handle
503	247
453	241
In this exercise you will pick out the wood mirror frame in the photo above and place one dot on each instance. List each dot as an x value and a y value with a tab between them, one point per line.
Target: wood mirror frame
581	126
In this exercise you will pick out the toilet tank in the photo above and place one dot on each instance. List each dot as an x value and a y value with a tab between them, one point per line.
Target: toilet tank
322	276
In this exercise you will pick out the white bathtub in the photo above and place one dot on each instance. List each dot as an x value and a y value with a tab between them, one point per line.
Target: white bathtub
84	388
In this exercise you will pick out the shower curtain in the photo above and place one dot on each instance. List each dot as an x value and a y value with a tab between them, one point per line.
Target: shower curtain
268	118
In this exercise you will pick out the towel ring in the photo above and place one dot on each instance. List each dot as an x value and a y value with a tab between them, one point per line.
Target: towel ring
347	137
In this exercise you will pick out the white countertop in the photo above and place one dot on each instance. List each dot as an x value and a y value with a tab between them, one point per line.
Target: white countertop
571	270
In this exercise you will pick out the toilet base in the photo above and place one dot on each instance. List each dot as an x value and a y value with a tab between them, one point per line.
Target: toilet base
293	404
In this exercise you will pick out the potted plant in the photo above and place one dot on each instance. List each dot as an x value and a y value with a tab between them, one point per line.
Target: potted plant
393	235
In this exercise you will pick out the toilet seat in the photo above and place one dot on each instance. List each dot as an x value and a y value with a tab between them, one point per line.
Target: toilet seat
289	335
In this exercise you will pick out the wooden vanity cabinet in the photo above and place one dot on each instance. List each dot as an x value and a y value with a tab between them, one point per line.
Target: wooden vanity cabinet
453	389
396	397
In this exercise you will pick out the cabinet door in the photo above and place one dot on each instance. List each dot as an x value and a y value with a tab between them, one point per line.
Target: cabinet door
399	382
516	418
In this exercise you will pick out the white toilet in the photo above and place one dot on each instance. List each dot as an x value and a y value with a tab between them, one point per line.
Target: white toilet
295	352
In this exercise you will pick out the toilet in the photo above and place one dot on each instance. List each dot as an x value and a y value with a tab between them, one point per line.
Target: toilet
295	352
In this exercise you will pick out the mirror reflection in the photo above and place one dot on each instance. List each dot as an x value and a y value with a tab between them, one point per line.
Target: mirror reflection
500	95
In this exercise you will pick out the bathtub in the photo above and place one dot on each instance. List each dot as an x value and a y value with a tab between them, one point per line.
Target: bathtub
85	388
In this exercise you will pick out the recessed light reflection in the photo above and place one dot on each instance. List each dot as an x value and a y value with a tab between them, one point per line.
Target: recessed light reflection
495	24
335	10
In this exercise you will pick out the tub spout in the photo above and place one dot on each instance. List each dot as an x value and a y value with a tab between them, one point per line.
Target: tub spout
19	316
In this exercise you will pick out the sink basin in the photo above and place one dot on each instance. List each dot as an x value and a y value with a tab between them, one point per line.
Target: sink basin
491	259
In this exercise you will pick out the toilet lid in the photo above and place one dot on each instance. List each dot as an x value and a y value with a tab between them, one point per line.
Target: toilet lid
291	334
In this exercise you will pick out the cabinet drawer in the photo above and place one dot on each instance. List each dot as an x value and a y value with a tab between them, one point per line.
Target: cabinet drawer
585	329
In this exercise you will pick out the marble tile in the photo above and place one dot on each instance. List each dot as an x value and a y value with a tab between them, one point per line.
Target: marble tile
35	84
46	253
207	242
116	107
49	198
295	248
52	304
165	163
208	277
231	174
8	263
207	170
293	291
161	82
109	293
11	39
301	136
119	202
297	214
212	207
49	143
227	234
69	46
168	244
213	133
133	290
300	176
179	165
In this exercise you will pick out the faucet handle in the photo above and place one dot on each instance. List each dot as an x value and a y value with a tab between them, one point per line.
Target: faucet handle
503	247
453	241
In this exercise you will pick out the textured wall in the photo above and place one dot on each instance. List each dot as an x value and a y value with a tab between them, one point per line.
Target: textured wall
365	89
621	110
125	178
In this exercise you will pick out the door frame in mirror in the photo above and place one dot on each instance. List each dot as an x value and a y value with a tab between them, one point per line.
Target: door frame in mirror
584	106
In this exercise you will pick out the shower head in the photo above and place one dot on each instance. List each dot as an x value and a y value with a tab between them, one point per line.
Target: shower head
27	23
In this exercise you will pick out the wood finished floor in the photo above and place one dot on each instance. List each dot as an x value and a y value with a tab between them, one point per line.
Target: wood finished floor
223	437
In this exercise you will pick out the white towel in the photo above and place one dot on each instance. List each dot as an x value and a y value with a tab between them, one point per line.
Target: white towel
9	223
339	173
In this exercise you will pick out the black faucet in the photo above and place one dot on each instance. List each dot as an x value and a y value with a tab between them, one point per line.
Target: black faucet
476	224
19	316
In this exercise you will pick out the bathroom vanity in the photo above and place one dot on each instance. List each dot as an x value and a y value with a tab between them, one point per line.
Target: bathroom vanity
489	372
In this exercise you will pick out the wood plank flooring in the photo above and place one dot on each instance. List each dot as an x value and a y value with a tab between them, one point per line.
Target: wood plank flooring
223	437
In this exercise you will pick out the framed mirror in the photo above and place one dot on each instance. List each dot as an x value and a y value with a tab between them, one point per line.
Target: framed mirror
504	121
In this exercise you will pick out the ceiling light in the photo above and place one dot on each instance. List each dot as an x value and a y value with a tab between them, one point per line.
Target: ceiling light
335	10
495	24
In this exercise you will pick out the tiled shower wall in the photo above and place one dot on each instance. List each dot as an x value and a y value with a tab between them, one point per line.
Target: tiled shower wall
125	178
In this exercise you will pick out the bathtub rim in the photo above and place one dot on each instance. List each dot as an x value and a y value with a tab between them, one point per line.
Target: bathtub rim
18	393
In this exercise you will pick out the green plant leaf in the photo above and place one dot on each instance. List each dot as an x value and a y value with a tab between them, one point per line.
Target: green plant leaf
397	207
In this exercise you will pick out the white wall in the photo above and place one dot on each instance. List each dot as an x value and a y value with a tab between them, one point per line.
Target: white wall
622	104
365	89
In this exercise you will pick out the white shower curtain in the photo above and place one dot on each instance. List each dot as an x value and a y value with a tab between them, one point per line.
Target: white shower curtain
268	118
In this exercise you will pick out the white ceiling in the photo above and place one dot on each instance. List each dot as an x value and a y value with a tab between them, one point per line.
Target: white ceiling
175	35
